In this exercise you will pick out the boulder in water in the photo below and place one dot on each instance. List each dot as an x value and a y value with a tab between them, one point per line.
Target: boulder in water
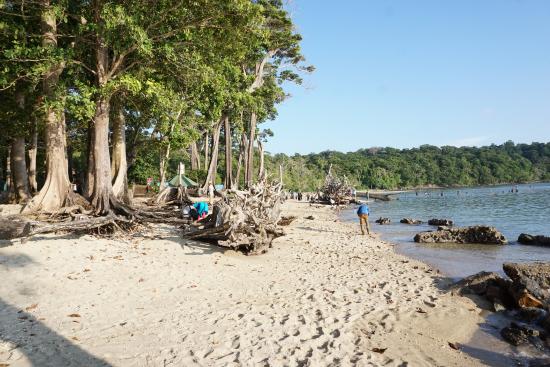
440	222
527	239
410	221
383	220
471	235
518	335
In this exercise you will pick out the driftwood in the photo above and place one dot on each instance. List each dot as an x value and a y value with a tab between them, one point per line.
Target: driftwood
21	228
245	221
335	190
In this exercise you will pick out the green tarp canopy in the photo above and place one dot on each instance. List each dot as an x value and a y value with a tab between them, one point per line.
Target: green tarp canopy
182	180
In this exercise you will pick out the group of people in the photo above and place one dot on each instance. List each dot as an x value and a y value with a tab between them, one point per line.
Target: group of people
300	196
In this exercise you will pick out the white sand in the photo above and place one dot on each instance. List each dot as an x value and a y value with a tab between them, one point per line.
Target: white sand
324	295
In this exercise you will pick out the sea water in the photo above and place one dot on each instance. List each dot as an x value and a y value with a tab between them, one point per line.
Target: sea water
511	211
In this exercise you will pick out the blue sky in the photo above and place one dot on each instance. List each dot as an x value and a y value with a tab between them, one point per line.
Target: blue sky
403	73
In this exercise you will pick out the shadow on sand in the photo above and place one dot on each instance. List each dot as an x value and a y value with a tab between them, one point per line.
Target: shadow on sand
24	339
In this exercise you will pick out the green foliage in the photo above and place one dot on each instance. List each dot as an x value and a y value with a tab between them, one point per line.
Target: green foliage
389	168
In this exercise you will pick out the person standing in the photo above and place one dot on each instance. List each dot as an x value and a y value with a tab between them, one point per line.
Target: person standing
363	214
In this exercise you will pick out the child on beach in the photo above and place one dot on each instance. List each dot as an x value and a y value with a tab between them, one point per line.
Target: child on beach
363	214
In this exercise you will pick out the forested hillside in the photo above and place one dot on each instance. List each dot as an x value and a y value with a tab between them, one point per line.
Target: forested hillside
391	168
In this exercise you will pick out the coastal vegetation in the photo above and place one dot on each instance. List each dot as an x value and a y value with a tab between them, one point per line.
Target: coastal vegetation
390	168
101	94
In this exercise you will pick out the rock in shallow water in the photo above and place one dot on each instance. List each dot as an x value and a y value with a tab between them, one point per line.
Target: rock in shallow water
410	221
518	335
472	235
383	220
440	222
527	239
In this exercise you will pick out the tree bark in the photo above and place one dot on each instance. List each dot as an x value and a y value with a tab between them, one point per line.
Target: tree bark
195	157
213	167
249	173
102	193
242	154
119	165
206	153
165	155
33	185
245	143
261	171
228	154
89	187
19	170
56	191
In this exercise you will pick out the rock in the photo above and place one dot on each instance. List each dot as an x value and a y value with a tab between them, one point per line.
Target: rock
440	222
383	220
498	307
532	315
410	221
474	234
540	362
531	284
518	335
527	239
477	283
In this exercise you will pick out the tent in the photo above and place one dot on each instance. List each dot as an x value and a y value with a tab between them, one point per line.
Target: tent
182	180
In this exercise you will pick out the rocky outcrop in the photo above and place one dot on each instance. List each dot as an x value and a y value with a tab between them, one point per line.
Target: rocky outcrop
474	234
527	239
531	283
383	220
526	294
518	335
410	221
440	222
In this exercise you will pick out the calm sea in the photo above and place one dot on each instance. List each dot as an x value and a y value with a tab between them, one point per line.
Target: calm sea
527	211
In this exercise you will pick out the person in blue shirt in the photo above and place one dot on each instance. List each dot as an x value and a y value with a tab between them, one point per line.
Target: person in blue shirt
363	214
201	209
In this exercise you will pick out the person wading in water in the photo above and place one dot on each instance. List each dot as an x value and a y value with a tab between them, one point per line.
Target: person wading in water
363	214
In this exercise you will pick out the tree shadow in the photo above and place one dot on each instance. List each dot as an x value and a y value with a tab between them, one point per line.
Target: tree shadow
15	260
199	248
23	336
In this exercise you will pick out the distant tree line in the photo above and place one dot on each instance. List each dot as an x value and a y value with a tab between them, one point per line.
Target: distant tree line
390	168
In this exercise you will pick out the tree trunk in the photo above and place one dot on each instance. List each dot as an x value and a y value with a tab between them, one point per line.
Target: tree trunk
119	165
32	159
261	171
244	141
102	193
165	155
242	154
89	187
9	180
19	170
195	157
228	154
206	153
213	167
56	191
249	173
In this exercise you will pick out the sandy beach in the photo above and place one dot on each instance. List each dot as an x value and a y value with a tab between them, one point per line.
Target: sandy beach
322	296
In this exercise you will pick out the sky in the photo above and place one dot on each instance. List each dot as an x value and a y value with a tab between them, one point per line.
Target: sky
403	73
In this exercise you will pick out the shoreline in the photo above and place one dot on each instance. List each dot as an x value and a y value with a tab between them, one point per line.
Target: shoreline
322	295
